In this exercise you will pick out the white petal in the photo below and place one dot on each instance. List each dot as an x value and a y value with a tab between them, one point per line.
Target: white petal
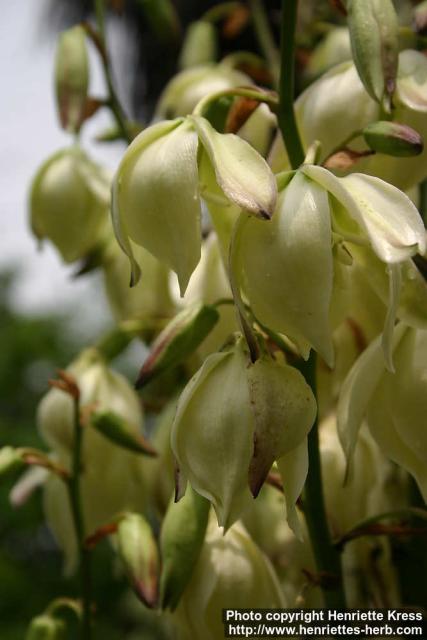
243	175
357	391
411	88
287	264
157	202
293	468
388	217
212	434
395	283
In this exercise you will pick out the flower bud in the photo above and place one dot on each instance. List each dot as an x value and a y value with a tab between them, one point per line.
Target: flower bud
46	627
233	420
137	549
69	203
10	461
393	139
200	45
231	573
178	340
188	87
374	34
72	78
181	539
163	19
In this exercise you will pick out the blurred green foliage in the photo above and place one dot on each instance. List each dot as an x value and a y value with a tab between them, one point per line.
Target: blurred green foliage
32	348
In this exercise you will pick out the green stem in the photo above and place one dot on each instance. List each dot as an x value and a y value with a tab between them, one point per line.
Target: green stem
327	557
265	38
74	491
286	113
252	94
113	101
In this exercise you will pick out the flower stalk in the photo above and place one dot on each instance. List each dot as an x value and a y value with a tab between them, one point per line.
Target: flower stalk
113	100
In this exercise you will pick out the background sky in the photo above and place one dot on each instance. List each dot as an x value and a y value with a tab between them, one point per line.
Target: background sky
29	134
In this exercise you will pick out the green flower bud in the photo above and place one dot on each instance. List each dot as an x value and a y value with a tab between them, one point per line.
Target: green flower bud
69	203
46	627
233	420
188	87
181	539
374	34
72	78
178	340
231	572
10	460
393	139
156	190
137	549
163	19
200	45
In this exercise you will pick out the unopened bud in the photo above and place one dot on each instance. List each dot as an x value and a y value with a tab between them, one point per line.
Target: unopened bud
393	139
117	430
46	627
200	45
138	551
181	540
178	340
374	38
72	78
10	460
162	18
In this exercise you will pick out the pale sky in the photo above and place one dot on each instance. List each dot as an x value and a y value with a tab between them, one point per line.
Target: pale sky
29	133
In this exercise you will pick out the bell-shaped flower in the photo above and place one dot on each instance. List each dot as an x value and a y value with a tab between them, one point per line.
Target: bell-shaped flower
156	200
234	419
188	87
69	203
286	266
334	120
231	572
393	404
112	478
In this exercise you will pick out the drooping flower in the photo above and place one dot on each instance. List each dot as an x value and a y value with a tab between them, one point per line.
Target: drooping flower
233	420
156	200
393	404
286	266
69	203
231	572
